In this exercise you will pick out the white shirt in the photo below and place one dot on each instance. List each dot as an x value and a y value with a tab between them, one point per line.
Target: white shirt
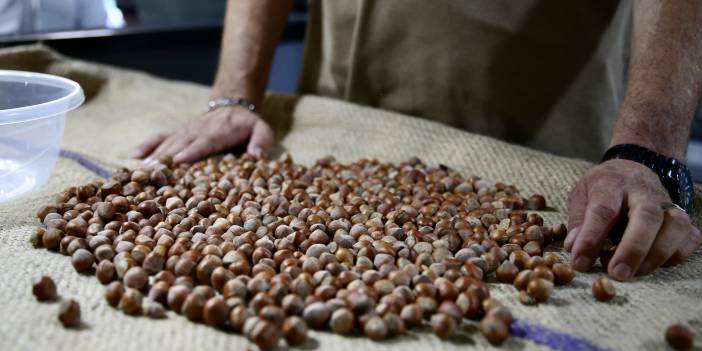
33	16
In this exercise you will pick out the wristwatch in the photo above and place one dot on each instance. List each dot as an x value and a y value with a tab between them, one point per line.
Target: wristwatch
674	175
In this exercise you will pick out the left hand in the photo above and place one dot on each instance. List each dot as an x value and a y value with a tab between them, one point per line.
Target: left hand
653	236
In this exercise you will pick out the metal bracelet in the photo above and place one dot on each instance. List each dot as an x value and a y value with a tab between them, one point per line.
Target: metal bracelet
223	102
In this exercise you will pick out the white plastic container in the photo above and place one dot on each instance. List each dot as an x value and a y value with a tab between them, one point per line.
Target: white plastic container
33	109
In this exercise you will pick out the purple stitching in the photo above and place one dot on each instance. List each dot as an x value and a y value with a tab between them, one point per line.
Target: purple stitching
551	338
83	161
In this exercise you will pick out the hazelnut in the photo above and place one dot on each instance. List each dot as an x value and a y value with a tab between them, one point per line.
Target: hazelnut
412	315
193	306
603	289
536	203
544	272
679	337
105	271
264	334
523	278
237	317
136	278
539	289
69	313
443	325
501	313
563	273
113	293
375	328
274	314
294	330
130	302
155	310
82	260
215	311
494	330
506	272
176	296
44	289
316	315
51	238
342	321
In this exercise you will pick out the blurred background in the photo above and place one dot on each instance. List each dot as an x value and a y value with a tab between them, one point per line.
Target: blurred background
175	39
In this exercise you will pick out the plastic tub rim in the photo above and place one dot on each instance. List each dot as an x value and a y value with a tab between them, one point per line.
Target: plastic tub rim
72	100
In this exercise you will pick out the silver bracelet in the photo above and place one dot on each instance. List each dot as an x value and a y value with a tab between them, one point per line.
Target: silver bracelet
223	102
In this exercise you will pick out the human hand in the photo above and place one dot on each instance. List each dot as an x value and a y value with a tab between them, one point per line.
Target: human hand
653	236
210	133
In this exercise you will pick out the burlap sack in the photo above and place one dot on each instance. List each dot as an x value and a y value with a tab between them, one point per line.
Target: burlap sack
124	107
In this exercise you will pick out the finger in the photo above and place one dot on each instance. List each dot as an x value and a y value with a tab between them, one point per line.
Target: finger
645	220
675	229
149	145
180	145
163	149
577	205
198	149
261	139
604	204
570	238
687	247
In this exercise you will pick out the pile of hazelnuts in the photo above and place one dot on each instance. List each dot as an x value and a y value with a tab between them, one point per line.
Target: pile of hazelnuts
270	248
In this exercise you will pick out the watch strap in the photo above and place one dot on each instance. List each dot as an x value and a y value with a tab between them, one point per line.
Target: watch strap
673	174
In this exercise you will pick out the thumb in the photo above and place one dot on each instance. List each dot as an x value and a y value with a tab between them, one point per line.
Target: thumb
261	139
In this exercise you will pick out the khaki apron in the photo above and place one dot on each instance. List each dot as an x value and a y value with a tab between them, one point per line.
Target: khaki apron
545	74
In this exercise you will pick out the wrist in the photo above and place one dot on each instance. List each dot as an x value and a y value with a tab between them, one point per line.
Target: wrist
673	174
661	127
248	92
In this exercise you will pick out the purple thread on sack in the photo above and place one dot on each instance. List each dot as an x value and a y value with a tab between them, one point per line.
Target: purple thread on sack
551	338
86	163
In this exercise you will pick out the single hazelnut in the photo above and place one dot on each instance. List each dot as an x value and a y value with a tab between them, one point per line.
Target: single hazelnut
264	334
494	330
603	289
193	306
679	337
342	321
539	289
563	273
375	328
215	312
69	313
113	293
130	302
82	260
44	289
294	330
443	325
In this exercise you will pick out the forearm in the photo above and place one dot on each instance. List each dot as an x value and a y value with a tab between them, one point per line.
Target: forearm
252	30
664	76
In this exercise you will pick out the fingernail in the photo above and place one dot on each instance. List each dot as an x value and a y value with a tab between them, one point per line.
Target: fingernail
582	263
147	161
645	268
621	271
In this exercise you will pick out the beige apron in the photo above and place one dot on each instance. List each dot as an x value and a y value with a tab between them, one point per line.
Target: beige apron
545	74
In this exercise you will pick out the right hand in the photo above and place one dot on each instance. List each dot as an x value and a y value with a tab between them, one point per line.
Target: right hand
215	131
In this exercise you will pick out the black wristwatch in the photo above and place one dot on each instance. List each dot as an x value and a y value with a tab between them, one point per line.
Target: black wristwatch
674	174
